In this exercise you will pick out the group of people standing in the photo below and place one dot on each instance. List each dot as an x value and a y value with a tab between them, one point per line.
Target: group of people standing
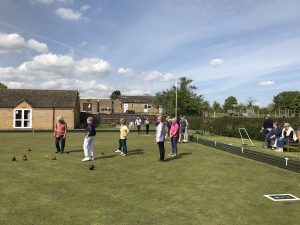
60	134
175	129
138	123
275	136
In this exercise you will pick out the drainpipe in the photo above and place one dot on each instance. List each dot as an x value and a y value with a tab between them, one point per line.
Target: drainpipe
53	118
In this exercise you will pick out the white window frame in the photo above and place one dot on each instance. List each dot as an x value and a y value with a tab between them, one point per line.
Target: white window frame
22	119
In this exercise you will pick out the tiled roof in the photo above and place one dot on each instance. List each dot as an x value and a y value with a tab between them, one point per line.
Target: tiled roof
10	98
138	99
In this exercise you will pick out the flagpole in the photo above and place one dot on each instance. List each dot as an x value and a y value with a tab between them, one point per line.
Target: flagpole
176	99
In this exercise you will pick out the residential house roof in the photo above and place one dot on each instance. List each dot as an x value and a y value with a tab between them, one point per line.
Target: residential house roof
10	98
138	99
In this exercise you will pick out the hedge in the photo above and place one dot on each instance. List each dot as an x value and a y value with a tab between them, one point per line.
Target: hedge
228	126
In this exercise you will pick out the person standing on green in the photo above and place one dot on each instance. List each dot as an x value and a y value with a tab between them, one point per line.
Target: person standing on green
124	131
160	138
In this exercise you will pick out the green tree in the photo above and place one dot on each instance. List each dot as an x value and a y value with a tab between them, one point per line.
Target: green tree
115	95
3	86
229	103
287	100
216	106
188	102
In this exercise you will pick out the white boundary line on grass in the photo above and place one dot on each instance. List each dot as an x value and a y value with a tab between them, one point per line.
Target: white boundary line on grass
282	200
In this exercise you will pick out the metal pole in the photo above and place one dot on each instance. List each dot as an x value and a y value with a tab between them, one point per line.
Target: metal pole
176	100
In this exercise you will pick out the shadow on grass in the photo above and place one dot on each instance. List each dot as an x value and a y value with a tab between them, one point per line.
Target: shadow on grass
105	157
179	156
135	152
81	150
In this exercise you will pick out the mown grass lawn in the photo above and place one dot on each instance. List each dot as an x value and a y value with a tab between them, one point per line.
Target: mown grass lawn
202	186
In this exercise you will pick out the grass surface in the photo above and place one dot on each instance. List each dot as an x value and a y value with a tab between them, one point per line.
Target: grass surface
202	186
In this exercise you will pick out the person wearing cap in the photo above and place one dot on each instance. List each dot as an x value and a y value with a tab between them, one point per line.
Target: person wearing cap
60	132
160	138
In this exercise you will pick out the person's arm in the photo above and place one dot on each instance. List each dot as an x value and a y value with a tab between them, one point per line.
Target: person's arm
171	131
66	130
54	133
87	132
127	132
158	132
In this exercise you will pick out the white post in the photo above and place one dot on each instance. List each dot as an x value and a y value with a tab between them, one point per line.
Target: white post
176	100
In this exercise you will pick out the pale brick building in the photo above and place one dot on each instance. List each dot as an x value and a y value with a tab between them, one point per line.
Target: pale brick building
143	105
37	109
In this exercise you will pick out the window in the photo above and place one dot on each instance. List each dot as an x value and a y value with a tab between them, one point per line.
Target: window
22	118
87	107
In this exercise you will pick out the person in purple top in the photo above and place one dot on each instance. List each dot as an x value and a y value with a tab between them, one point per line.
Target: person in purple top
138	123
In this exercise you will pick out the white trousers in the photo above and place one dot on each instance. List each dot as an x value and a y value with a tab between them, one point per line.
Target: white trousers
88	146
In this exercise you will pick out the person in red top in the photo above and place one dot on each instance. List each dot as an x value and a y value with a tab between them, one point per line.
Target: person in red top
60	132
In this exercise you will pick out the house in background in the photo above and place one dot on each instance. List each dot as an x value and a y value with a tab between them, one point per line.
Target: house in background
38	109
96	105
139	104
126	104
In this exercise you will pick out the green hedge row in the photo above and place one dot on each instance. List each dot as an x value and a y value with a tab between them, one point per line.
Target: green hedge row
228	126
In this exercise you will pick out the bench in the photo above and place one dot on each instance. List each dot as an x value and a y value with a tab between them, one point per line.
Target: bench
291	145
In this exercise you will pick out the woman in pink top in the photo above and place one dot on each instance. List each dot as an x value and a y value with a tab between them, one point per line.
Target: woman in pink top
174	134
60	132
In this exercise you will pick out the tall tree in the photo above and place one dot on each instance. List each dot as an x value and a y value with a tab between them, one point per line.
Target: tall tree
188	102
216	106
250	102
229	103
287	100
115	95
3	86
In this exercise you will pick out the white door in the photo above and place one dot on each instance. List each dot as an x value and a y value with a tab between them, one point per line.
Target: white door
125	107
145	108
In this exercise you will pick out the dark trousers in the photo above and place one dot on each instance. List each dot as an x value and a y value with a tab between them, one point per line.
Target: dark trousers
147	128
123	146
120	145
139	128
161	147
60	144
174	141
268	134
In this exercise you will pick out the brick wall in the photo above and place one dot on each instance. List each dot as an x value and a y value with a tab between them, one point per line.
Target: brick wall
6	118
42	119
139	108
93	102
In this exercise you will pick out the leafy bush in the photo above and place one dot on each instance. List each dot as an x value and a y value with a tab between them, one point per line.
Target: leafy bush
228	126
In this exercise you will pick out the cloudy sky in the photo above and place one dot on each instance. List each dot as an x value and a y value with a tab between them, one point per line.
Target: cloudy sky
244	48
